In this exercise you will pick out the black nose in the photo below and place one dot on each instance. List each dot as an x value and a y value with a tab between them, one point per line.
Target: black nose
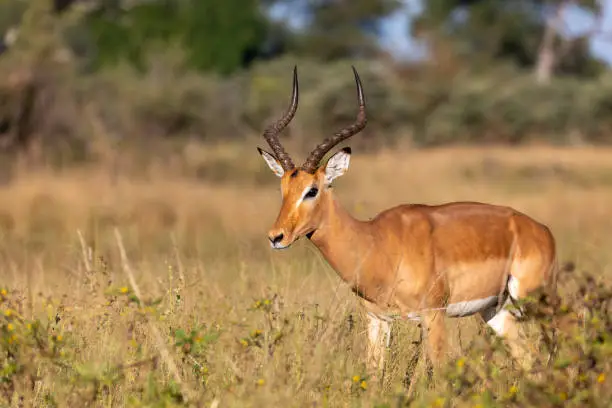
275	240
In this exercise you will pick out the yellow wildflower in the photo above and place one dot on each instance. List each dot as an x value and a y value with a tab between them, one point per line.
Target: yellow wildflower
10	327
3	292
255	333
124	289
460	362
244	342
601	378
356	378
563	396
363	385
29	326
267	302
261	381
12	339
513	389
8	312
439	402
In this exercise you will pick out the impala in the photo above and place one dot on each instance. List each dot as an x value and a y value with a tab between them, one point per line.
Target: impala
412	261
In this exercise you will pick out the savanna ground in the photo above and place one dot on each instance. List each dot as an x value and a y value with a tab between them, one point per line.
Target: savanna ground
214	317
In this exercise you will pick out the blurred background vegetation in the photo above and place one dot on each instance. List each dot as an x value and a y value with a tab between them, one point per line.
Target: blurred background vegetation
81	80
139	119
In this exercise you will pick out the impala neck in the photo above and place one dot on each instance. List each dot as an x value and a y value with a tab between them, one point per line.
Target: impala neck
344	241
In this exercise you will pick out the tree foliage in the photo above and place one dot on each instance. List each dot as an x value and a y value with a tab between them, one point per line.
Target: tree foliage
225	36
483	32
344	29
216	36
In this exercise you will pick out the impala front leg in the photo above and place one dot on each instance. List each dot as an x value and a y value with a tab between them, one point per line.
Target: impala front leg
379	336
435	337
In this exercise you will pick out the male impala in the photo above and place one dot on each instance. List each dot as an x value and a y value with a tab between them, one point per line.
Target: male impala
415	262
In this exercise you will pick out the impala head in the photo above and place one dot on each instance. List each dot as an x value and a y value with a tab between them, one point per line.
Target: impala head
305	189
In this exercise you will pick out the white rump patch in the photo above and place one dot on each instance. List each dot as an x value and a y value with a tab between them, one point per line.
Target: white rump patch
513	287
469	307
513	290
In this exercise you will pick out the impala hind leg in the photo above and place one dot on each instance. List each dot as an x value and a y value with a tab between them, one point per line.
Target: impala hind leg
505	324
379	336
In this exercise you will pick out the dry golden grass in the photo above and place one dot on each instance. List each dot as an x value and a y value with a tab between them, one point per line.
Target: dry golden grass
200	248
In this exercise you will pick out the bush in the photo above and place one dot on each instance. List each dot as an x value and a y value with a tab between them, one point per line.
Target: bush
172	102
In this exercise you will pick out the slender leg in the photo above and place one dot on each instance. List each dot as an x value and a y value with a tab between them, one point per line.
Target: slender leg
409	379
379	336
505	325
435	330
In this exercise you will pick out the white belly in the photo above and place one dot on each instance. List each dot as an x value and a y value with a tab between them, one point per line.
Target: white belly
469	307
459	309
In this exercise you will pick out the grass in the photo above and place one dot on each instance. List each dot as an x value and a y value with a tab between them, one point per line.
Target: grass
198	310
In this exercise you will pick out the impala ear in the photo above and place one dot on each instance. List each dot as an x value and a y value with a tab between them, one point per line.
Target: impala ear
337	165
272	162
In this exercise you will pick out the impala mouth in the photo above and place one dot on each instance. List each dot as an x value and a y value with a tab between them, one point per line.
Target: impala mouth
278	245
281	242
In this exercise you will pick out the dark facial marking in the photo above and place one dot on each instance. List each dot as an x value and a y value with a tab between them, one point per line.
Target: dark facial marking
294	173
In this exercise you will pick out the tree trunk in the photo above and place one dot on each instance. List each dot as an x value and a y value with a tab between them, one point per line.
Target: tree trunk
545	63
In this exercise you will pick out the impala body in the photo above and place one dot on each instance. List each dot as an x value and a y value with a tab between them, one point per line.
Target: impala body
415	262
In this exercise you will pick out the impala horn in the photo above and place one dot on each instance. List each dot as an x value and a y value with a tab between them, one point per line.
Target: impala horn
312	162
271	132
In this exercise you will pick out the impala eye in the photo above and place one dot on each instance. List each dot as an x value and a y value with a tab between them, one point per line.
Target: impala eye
311	193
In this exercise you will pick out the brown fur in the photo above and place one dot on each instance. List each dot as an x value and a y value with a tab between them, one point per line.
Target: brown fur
421	258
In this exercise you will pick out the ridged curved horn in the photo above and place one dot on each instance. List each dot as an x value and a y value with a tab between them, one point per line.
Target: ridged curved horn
312	162
272	131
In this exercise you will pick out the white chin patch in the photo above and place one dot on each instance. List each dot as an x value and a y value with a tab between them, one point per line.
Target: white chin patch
278	246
